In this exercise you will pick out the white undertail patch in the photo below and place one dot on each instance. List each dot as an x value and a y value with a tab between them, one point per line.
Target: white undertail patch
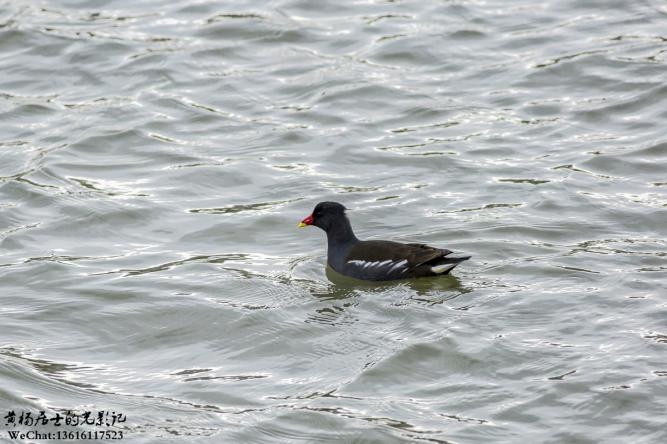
439	269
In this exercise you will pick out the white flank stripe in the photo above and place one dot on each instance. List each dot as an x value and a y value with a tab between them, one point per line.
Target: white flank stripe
377	264
398	265
363	264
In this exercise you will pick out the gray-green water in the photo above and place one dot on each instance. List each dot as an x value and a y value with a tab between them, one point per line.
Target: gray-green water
155	157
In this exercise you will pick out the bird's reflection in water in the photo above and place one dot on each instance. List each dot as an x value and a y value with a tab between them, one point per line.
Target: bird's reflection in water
432	290
343	292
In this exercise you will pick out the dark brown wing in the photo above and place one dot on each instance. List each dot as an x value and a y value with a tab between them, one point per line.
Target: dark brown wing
386	260
415	254
442	251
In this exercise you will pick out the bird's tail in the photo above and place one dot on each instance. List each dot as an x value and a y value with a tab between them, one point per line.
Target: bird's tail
447	264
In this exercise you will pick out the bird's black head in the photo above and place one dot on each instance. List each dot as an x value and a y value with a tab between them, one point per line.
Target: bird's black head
326	215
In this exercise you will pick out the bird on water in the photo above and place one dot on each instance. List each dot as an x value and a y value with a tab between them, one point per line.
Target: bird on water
375	260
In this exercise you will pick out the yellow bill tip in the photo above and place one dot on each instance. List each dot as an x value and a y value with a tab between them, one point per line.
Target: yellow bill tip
301	225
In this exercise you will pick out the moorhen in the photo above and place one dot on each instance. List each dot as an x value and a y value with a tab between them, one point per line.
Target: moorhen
375	260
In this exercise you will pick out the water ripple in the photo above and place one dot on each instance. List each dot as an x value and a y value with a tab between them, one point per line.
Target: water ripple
156	157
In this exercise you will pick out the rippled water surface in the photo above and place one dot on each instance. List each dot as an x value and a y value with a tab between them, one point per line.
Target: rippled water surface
155	157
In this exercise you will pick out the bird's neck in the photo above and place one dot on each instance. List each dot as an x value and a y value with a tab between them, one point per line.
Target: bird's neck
340	239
